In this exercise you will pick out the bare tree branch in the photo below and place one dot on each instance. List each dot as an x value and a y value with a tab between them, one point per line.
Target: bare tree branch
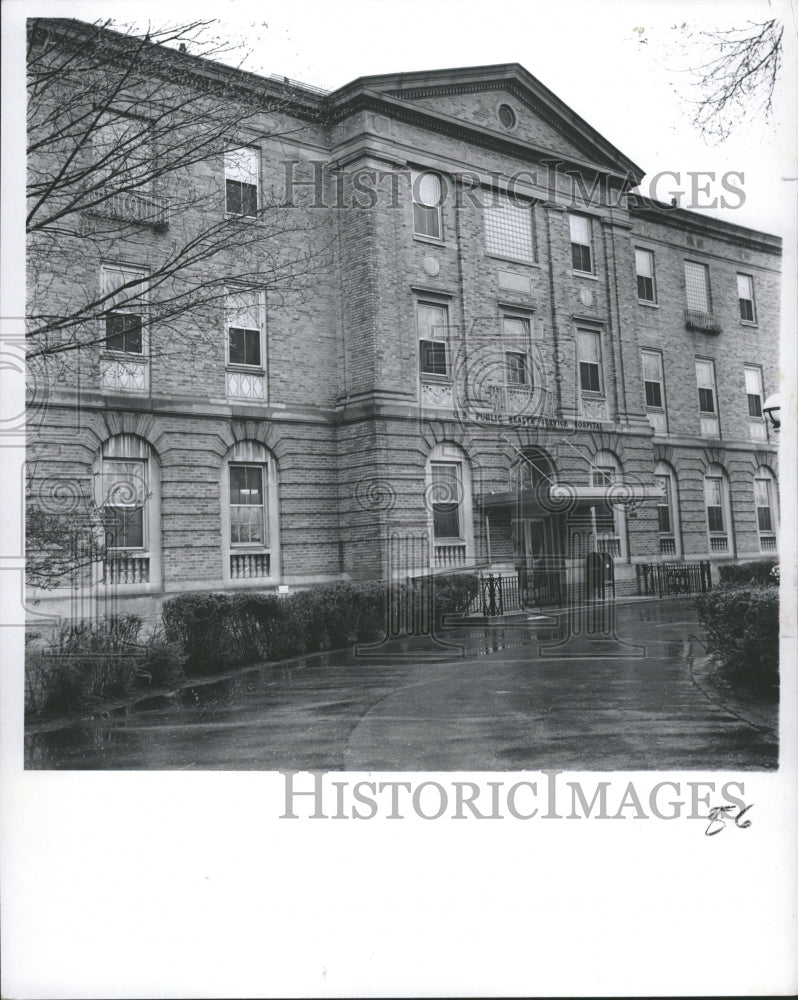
739	78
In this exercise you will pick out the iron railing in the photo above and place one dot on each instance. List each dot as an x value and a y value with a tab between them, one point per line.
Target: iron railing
697	319
665	579
501	593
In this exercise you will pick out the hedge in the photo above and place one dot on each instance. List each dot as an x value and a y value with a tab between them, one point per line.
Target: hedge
220	631
758	571
742	628
91	661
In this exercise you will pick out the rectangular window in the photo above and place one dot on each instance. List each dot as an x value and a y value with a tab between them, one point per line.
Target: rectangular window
446	493
241	175
244	327
696	280
581	243
652	379
509	229
433	330
762	499
705	377
644	264
124	493
713	494
516	368
745	295
753	389
246	505
122	153
426	193
124	292
664	520
589	348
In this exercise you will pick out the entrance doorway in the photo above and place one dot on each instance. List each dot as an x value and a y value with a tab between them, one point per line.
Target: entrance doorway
536	561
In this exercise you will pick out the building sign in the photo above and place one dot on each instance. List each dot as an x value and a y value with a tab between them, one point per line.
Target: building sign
527	420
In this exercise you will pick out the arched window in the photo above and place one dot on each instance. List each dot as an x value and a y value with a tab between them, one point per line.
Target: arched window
127	493
533	471
766	503
719	522
250	517
449	510
668	519
609	519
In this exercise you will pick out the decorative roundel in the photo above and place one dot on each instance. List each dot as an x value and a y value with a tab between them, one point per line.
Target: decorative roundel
585	296
507	116
431	265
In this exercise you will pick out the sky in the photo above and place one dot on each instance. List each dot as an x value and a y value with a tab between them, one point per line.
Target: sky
616	63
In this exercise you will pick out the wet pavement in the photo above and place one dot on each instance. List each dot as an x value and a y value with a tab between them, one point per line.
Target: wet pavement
598	689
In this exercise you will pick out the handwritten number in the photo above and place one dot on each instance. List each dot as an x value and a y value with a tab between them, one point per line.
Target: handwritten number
716	819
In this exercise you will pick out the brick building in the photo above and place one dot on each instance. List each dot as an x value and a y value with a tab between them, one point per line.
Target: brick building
502	357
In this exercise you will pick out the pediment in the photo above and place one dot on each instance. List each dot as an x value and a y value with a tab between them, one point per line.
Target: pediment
475	96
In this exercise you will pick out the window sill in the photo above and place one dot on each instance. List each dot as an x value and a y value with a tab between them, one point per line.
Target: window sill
749	323
647	304
436	379
112	355
521	261
585	274
246	369
430	240
229	216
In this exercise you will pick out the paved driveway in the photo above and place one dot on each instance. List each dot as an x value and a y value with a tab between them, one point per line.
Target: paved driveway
520	697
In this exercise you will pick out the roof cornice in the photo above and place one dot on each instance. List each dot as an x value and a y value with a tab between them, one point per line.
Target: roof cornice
703	225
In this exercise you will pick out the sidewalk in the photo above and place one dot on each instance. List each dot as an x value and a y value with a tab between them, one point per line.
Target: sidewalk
756	712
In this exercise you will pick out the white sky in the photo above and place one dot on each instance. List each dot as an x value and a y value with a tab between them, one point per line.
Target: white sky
613	62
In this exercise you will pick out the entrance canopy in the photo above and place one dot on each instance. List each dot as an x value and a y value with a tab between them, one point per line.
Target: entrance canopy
570	497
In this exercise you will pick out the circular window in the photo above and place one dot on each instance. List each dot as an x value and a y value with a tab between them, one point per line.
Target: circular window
506	116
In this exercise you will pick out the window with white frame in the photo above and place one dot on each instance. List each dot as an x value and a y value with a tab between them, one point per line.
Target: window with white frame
241	175
243	311
588	344
516	367
127	493
644	266
745	297
124	291
716	499
753	390
581	243
654	389
248	524
448	493
696	280
509	228
668	528
249	485
707	398
124	491
433	331
765	501
426	194
446	499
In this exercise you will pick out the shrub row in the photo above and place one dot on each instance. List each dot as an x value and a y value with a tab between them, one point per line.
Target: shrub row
219	631
742	628
95	660
758	571
205	633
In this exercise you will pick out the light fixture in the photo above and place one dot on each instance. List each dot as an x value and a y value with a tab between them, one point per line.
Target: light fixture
772	407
